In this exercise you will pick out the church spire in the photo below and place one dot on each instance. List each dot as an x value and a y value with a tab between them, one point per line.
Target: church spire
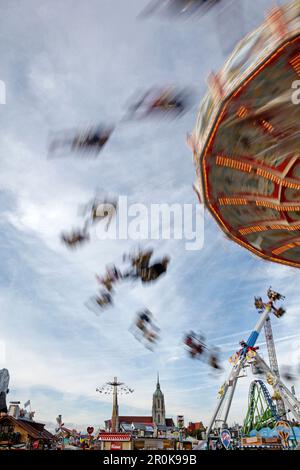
158	405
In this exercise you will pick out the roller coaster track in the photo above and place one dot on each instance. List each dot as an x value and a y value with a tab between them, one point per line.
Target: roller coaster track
261	409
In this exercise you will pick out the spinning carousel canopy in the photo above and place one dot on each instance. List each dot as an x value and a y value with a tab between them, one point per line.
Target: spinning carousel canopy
246	141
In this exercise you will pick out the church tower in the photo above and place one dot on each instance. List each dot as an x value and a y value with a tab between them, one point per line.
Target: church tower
158	405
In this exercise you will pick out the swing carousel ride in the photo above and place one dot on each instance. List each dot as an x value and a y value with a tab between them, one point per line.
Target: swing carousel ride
246	141
246	152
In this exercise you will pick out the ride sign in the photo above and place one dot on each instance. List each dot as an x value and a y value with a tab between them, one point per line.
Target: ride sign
225	437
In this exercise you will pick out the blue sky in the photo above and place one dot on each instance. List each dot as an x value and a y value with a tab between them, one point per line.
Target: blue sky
68	64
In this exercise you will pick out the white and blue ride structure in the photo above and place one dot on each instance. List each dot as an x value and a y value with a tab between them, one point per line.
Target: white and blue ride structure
287	402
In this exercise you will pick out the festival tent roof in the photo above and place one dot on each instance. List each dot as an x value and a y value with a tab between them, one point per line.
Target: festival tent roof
34	430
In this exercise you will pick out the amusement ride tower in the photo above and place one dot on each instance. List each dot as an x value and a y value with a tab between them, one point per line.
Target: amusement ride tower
248	355
273	362
114	388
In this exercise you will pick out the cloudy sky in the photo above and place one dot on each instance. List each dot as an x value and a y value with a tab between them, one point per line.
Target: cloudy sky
70	64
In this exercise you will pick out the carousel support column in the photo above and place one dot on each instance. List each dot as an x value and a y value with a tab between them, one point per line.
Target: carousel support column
258	327
233	386
232	376
251	341
213	419
235	371
115	410
273	362
290	401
